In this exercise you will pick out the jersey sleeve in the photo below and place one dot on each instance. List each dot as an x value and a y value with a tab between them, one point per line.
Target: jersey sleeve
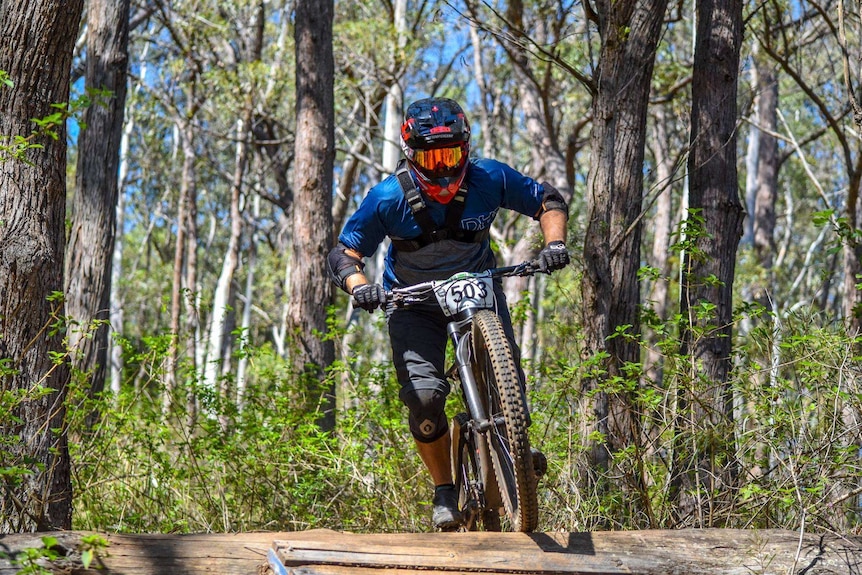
365	230
520	193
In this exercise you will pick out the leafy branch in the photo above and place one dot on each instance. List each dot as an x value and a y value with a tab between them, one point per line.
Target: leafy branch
17	146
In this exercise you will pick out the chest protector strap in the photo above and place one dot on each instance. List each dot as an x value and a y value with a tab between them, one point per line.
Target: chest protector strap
431	232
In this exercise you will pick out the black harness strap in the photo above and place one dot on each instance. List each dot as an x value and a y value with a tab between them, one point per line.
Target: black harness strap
415	201
431	232
455	210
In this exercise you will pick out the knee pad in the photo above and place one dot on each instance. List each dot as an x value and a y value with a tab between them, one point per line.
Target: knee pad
427	413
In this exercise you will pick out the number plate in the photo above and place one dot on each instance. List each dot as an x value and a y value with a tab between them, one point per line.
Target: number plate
456	295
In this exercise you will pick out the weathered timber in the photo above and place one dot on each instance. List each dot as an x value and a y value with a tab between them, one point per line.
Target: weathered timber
708	551
324	552
151	554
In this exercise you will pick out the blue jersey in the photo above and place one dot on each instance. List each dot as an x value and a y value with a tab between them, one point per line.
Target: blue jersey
384	212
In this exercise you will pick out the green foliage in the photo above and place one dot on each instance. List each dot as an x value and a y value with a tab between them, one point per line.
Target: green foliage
266	466
16	467
5	80
92	547
46	127
32	561
786	454
39	560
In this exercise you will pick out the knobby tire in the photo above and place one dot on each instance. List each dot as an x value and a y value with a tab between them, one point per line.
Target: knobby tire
509	446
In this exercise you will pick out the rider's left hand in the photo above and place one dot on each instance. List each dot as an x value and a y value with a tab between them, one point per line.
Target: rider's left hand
553	257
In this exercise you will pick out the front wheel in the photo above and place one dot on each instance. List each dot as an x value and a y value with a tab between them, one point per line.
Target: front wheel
509	446
474	478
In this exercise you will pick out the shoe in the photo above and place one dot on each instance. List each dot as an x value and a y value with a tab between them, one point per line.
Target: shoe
540	462
446	515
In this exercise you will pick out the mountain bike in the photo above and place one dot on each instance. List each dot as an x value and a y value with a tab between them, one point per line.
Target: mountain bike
493	464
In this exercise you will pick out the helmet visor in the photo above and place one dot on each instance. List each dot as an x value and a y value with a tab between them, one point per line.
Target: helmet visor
439	160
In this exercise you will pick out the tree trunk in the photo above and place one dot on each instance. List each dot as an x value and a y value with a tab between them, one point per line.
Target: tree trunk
310	289
37	51
853	246
662	224
395	96
767	165
853	256
91	238
629	31
248	299
713	229
182	290
191	295
212	365
220	309
548	163
117	314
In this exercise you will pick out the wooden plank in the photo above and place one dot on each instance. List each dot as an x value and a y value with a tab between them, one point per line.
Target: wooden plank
729	552
706	552
352	570
469	560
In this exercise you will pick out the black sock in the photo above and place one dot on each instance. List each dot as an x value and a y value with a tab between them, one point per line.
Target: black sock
443	486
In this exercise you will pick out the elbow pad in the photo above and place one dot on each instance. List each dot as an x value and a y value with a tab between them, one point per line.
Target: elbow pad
340	265
552	200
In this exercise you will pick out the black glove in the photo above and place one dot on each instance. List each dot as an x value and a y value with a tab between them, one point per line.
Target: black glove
369	296
554	256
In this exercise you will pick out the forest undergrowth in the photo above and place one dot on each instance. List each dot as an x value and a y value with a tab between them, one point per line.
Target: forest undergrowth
789	457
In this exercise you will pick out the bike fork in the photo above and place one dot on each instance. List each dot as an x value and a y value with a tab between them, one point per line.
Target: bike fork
465	371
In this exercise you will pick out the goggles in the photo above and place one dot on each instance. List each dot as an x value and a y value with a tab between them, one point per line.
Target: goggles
438	159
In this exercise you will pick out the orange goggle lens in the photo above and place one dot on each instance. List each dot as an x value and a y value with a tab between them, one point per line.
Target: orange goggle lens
439	158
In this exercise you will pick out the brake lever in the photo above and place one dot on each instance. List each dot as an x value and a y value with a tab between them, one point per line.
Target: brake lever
531	267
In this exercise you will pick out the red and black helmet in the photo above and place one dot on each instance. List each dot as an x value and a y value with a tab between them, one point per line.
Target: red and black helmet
435	137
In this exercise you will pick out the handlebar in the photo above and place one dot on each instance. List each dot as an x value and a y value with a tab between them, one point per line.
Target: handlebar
423	291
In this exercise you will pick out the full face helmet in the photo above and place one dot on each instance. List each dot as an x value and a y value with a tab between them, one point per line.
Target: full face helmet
435	137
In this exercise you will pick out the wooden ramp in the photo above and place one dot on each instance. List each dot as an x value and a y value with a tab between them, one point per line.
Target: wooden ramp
324	552
711	551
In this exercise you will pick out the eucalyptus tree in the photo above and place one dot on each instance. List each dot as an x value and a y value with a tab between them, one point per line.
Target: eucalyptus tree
310	288
89	253
524	73
182	96
667	146
34	458
801	43
629	33
765	169
714	227
249	36
666	150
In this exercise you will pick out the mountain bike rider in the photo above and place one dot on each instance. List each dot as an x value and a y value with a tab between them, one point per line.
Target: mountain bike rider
437	209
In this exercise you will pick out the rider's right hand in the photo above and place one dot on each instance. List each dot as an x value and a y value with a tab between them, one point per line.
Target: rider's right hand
369	296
